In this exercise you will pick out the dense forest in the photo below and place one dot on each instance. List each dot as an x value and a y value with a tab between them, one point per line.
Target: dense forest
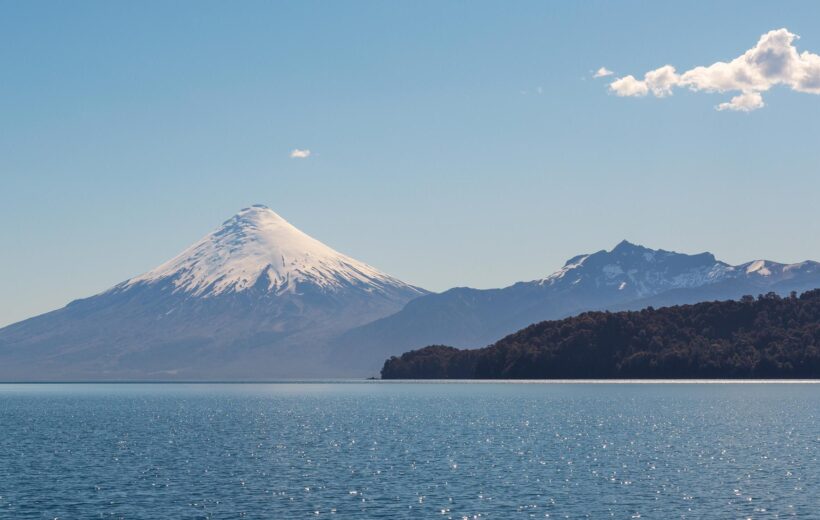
764	337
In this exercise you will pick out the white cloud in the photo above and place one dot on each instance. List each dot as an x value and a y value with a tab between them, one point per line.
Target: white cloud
660	81
629	86
299	154
602	73
745	102
773	61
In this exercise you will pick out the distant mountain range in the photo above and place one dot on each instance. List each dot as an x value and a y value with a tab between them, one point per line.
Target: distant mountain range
257	298
626	278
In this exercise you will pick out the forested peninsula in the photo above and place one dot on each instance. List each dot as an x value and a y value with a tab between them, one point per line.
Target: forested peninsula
764	337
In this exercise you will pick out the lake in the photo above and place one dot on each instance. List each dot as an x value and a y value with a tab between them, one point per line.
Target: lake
409	450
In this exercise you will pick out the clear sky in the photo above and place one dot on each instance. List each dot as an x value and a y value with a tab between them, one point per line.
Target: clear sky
452	143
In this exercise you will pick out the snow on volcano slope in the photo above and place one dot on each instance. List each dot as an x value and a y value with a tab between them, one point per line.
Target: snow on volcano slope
257	245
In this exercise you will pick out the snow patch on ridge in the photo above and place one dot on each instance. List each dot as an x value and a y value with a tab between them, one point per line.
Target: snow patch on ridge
759	267
570	266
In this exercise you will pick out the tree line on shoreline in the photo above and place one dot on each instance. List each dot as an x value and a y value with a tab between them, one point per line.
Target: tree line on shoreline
764	337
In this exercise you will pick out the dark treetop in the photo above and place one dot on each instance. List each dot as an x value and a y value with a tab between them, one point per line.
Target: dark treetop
767	337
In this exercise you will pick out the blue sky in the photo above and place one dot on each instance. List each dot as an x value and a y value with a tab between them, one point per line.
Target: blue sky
452	143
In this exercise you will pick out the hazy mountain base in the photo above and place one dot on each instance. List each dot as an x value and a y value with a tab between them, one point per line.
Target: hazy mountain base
150	332
771	337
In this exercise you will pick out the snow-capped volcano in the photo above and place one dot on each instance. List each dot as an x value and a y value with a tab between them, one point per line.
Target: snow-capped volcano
257	248
256	298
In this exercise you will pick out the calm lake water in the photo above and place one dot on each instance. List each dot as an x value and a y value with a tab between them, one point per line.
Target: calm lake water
394	450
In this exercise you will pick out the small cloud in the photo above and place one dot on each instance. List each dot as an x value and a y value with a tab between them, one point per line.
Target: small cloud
299	154
745	102
659	82
629	86
602	73
774	60
540	90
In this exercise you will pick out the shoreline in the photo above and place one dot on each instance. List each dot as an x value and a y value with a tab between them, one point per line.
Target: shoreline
426	381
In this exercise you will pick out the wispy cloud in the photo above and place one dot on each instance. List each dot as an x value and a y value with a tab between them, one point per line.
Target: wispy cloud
296	153
539	90
773	61
602	73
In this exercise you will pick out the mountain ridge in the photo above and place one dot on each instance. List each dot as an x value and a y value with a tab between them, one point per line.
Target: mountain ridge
627	277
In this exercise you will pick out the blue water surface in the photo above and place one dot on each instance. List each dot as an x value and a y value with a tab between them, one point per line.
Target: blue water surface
405	450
